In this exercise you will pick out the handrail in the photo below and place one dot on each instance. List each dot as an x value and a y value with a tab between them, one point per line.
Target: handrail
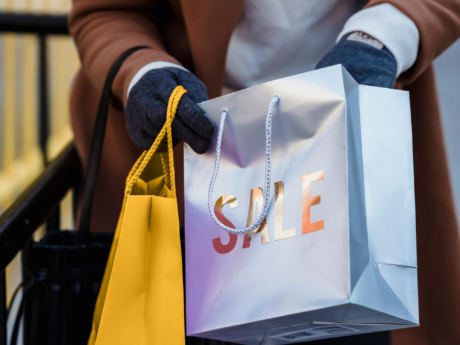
36	203
41	24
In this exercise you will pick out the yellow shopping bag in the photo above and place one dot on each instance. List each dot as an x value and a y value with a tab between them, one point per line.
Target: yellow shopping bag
141	297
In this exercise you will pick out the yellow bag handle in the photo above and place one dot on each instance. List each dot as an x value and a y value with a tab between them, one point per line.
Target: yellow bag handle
141	163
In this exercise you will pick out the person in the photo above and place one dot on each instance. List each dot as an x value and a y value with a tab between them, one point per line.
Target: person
214	47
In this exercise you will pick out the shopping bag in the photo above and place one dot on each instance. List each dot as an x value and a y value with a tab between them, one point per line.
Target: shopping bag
324	185
141	297
63	271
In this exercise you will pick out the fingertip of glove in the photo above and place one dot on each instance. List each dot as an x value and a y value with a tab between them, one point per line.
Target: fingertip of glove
201	147
210	126
195	118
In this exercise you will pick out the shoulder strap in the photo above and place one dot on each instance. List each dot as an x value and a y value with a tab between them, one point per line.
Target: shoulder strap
97	144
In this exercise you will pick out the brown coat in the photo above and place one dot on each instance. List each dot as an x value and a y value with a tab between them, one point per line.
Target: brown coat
196	33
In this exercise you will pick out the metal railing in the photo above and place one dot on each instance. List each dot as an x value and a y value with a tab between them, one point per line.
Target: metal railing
41	26
38	203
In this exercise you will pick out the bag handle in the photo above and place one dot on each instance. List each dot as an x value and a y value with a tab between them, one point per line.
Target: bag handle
143	160
268	170
97	144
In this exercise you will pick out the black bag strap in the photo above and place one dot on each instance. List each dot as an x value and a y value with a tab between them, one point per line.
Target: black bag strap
27	290
97	144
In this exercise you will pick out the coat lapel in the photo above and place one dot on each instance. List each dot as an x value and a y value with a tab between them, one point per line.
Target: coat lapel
210	24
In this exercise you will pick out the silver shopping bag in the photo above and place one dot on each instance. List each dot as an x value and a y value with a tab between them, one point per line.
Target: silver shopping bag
336	253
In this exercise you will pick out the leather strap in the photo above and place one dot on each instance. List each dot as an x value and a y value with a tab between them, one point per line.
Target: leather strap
96	146
26	291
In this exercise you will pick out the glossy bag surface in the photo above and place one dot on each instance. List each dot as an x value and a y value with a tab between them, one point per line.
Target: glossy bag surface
337	253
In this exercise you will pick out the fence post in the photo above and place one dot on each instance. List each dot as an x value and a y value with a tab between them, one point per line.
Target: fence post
53	222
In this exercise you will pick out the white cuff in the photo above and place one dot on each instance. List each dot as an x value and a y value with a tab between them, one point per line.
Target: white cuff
149	67
391	27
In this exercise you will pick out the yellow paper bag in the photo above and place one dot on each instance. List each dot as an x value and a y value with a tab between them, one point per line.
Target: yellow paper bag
141	297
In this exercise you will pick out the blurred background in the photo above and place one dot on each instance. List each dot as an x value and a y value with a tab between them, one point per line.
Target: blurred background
27	143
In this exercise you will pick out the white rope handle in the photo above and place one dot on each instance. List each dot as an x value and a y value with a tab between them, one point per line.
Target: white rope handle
268	170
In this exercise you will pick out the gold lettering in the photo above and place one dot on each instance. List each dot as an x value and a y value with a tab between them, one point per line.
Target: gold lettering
281	234
256	199
309	201
218	210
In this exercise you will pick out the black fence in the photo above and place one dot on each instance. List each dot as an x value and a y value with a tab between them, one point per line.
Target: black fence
39	202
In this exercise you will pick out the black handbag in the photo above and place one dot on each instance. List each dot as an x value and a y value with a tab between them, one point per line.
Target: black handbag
62	272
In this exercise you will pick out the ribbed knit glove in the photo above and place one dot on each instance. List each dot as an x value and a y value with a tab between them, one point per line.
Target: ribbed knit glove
145	110
369	63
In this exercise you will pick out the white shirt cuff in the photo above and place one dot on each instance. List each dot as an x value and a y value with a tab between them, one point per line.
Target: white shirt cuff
391	27
149	67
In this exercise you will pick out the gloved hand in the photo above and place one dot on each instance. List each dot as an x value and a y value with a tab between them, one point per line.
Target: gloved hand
369	65
145	110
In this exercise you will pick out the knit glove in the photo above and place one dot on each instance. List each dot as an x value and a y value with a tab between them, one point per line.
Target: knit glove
368	64
145	110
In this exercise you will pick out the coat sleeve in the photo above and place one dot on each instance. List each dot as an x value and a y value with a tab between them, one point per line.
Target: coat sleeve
104	29
438	23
